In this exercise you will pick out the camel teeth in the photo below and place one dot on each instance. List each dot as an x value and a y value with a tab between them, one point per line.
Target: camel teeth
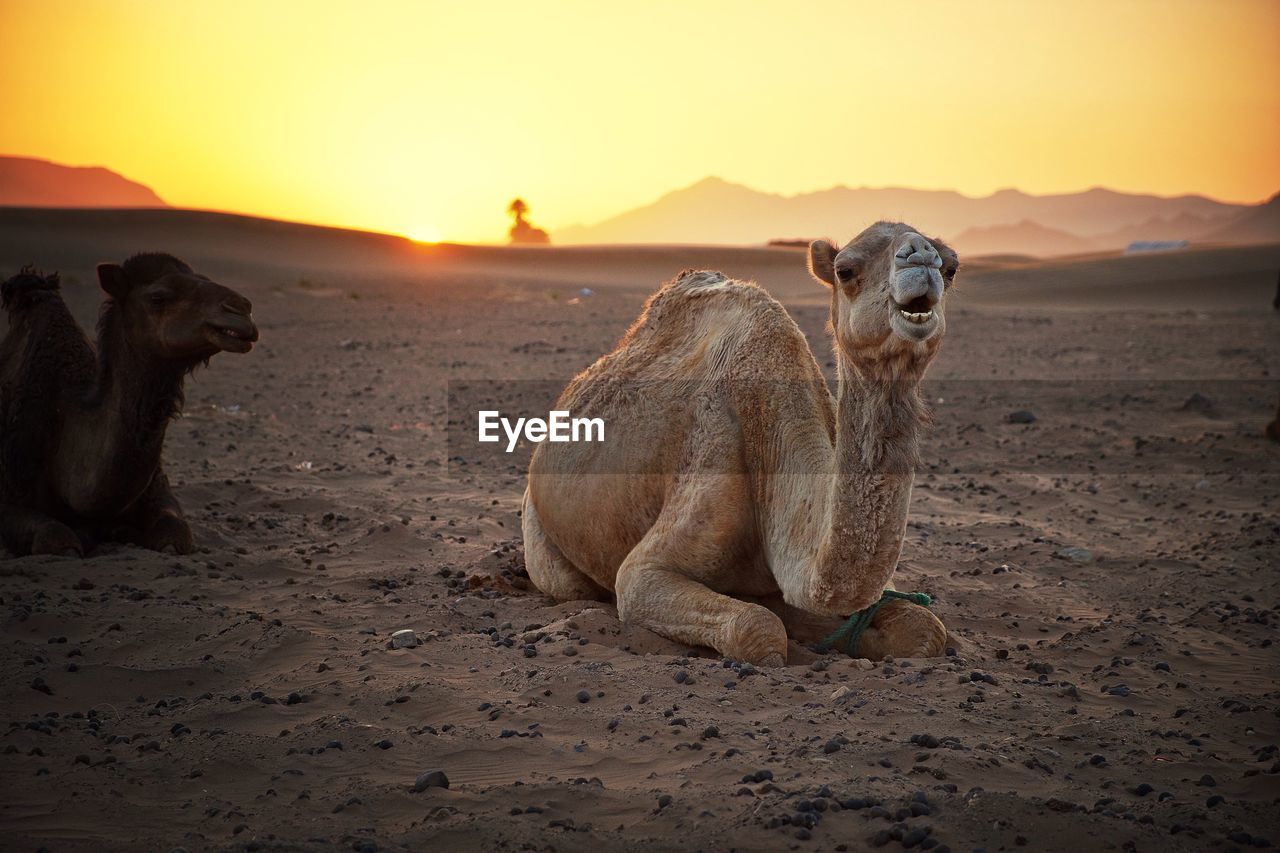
917	317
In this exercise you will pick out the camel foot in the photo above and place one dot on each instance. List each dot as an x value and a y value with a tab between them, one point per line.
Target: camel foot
755	635
903	630
56	538
169	533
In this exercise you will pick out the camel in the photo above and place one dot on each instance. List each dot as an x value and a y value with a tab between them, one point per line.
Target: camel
82	426
735	499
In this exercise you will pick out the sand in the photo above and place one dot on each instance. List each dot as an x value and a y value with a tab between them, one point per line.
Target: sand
1108	573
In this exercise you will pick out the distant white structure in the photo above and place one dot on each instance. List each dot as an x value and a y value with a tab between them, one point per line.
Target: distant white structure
1154	246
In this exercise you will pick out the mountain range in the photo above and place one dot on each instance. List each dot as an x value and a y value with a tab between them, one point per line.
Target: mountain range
28	182
717	211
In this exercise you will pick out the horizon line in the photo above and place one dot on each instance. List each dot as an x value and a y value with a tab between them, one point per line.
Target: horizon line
583	225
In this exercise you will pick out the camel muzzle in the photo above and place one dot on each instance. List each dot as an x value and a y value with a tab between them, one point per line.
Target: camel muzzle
915	286
233	332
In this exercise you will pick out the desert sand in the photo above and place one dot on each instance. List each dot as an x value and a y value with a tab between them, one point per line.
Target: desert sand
1107	570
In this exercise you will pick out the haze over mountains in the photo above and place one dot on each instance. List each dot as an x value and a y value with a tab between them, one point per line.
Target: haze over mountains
715	211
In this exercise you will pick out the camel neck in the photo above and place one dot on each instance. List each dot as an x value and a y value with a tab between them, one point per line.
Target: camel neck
878	424
135	395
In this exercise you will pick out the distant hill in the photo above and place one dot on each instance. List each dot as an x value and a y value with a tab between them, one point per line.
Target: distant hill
1026	237
27	182
717	211
1259	224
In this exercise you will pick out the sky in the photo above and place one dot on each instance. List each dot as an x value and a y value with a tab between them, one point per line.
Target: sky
425	118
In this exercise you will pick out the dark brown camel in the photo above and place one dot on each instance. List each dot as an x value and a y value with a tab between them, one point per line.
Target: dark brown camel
82	427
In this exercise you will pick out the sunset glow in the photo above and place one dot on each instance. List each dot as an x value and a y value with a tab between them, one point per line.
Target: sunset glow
388	115
425	234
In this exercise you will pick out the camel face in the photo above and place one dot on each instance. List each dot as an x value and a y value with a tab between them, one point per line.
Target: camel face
889	286
178	314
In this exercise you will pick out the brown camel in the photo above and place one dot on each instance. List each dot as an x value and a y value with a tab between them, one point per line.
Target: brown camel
82	427
735	498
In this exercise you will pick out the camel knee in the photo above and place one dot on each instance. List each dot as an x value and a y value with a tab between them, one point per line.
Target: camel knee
53	537
684	610
903	630
654	598
629	594
756	635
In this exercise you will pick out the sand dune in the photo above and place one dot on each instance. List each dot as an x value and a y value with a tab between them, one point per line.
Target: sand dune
1107	572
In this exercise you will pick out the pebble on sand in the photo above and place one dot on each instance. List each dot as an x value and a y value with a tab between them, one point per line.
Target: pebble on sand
430	779
404	639
1074	554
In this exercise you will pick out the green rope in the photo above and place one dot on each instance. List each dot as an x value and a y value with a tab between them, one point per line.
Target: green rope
847	635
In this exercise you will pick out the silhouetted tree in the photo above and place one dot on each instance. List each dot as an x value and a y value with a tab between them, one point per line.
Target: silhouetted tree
521	229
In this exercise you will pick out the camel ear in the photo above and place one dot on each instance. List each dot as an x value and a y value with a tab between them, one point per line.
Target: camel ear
113	280
822	256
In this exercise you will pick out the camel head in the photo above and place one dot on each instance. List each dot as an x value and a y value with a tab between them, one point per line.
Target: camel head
173	313
888	292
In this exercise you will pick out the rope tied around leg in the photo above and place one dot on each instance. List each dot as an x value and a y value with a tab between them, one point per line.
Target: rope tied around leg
847	635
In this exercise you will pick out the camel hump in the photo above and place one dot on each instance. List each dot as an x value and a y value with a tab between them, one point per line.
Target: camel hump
691	279
692	292
27	289
711	283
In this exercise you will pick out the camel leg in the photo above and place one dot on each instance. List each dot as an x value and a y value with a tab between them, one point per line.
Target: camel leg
668	603
25	531
158	520
900	628
547	567
657	586
903	630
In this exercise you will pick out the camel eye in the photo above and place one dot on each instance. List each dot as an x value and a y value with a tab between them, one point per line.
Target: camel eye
845	274
158	297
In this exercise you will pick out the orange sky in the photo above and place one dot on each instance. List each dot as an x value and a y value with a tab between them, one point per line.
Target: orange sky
424	118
